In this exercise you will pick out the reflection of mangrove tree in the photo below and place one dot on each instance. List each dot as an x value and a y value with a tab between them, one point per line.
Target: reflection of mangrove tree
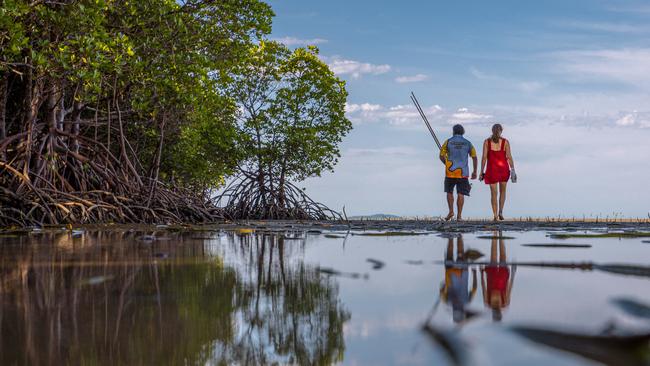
75	301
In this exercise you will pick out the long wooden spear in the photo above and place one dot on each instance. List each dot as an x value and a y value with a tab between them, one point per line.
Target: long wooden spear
425	119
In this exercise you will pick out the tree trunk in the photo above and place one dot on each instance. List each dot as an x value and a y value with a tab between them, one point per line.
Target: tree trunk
260	168
281	188
156	164
33	97
123	154
53	98
76	119
4	85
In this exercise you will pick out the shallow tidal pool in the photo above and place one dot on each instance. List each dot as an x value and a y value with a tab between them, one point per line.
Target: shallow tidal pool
165	297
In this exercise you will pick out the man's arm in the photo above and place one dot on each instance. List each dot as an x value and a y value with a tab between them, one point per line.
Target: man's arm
475	164
443	153
474	285
474	161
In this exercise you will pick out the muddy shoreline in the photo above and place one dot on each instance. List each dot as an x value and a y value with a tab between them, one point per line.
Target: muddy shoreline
402	226
442	226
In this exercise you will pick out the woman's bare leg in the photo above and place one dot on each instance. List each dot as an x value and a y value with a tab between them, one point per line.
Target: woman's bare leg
502	198
502	250
493	196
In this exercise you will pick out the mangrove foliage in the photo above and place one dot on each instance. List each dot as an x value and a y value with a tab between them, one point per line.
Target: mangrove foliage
142	111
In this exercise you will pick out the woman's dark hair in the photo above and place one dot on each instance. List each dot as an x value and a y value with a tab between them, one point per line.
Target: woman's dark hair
496	132
458	130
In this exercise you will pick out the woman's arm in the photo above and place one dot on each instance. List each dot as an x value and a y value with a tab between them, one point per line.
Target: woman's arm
511	283
509	155
484	158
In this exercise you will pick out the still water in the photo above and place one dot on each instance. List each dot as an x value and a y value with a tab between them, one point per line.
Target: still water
163	297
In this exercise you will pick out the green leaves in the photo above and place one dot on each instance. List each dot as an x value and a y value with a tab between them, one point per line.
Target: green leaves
194	74
293	109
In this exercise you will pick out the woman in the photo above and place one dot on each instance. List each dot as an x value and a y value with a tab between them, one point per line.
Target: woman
496	153
500	279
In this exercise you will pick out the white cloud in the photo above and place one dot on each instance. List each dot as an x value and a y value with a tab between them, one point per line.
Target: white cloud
407	115
365	107
627	120
464	115
578	110
399	115
635	118
355	69
411	79
363	113
293	41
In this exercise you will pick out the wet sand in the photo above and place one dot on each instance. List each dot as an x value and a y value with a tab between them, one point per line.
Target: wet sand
444	226
387	226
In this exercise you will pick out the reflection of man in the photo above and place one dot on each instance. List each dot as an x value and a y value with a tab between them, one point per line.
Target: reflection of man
498	287
455	288
454	154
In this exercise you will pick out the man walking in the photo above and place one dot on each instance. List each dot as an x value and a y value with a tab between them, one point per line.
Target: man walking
453	154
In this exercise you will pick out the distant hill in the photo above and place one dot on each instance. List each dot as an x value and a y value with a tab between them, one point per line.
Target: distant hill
379	216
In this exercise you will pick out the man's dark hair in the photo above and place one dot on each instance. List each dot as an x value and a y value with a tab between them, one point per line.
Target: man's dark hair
459	130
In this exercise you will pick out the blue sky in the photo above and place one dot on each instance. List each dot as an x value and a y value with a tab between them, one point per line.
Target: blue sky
569	80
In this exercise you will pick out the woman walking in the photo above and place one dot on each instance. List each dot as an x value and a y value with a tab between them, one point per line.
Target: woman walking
500	166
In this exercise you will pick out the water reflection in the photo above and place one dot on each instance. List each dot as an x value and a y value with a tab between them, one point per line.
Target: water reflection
455	289
109	298
497	278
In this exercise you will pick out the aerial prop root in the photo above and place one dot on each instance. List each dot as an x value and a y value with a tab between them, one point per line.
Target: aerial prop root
244	198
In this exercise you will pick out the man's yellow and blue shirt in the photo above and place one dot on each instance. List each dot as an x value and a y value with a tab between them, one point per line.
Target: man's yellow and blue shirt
456	151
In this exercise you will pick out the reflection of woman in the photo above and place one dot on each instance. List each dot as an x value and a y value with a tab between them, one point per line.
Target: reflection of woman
496	153
498	287
455	289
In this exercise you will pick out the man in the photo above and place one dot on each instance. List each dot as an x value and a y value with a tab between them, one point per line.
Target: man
455	290
454	154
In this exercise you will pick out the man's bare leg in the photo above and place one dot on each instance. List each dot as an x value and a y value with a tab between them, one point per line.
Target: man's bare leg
502	198
450	203
450	250
493	196
460	201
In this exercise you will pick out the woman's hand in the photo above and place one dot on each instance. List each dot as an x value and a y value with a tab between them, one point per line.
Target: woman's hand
480	177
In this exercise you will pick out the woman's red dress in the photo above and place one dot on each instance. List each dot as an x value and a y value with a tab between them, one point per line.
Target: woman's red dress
498	169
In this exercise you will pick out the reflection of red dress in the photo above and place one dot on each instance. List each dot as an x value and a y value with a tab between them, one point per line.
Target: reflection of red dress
497	280
498	169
